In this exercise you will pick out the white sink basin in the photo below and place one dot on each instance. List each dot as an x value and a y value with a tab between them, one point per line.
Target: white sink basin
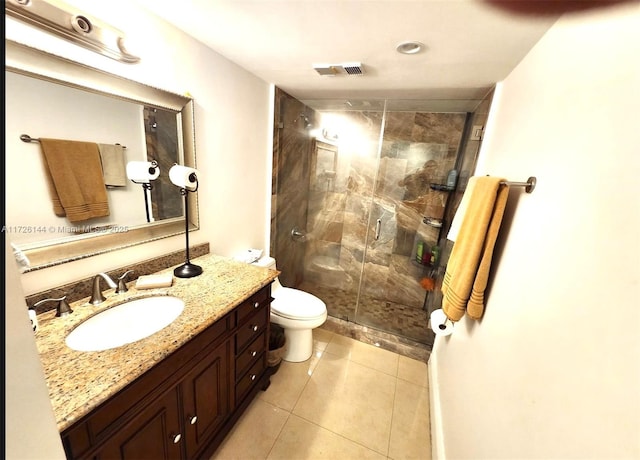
125	323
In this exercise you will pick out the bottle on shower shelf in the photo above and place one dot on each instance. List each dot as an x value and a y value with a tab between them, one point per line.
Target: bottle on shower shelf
435	255
419	251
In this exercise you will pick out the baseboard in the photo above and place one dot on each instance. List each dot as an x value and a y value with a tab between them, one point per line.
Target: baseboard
437	436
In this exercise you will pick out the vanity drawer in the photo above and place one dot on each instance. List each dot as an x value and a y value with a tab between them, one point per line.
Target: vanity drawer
253	303
248	380
252	328
250	354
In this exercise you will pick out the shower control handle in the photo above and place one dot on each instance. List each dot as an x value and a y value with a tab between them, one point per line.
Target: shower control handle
378	225
298	235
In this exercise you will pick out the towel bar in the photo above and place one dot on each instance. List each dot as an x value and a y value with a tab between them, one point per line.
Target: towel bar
27	138
529	185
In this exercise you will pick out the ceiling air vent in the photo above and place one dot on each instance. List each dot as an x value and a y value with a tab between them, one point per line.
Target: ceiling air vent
352	68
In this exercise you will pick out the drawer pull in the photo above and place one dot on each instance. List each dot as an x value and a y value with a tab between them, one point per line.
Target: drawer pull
253	377
256	304
193	420
176	438
254	328
253	353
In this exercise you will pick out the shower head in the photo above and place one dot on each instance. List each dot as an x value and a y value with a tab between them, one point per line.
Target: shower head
306	122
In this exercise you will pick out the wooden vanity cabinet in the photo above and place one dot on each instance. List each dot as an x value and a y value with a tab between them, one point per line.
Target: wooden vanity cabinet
154	433
183	407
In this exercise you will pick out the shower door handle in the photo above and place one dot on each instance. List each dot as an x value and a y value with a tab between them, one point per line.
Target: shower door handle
297	235
378	225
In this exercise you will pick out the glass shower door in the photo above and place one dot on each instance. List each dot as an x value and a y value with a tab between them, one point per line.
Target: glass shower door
342	173
417	150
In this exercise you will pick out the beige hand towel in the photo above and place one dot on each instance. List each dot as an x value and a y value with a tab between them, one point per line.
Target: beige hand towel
113	165
75	179
467	272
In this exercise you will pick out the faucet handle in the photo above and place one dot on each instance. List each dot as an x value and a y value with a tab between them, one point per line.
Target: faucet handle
122	287
63	308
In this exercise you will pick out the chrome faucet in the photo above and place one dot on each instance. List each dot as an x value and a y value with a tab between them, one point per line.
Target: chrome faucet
96	293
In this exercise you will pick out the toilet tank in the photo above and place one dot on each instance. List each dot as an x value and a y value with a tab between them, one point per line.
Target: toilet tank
266	262
269	262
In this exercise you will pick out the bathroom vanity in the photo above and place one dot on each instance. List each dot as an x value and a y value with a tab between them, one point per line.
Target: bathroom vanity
176	393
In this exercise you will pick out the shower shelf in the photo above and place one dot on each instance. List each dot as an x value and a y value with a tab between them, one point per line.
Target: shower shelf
441	187
432	221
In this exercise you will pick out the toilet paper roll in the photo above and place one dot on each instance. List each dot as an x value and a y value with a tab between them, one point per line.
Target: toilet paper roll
142	171
34	320
184	177
440	324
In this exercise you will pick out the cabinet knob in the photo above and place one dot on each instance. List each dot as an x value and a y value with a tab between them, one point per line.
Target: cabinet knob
253	377
176	438
254	328
193	420
256	304
253	353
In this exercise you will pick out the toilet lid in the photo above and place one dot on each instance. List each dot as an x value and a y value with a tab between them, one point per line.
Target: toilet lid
296	304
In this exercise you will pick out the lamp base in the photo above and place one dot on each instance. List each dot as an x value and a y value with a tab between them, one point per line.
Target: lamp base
187	270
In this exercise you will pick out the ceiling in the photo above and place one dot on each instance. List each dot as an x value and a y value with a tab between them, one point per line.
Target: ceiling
469	45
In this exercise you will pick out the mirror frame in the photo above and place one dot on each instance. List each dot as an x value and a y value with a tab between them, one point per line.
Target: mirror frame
25	60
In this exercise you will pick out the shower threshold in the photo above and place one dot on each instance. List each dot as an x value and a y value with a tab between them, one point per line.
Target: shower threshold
401	345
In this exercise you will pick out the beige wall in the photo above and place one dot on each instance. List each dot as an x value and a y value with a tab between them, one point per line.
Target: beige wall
553	368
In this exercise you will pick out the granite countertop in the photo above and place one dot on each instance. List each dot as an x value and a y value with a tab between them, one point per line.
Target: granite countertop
80	381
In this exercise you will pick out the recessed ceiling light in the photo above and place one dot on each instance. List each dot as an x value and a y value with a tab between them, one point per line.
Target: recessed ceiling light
409	47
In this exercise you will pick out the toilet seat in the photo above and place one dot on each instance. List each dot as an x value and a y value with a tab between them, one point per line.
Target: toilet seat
298	305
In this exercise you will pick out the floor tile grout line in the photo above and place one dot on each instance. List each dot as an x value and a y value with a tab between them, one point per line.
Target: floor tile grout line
307	382
325	352
339	434
393	411
275	440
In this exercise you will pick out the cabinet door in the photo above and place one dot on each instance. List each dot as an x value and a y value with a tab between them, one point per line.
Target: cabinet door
154	434
206	397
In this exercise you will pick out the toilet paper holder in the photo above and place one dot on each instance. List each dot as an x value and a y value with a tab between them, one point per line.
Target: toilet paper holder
184	178
146	186
440	323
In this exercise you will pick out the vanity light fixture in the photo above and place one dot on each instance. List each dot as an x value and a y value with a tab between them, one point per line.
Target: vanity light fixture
187	179
62	20
410	47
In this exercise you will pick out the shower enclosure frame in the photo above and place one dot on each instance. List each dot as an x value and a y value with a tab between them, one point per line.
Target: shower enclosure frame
320	238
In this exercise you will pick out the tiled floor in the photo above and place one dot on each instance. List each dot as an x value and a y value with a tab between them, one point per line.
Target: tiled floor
395	318
350	400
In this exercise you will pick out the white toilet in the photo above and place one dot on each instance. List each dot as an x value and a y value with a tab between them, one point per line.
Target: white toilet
298	312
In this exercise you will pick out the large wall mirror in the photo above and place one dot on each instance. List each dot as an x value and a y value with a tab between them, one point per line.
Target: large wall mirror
51	97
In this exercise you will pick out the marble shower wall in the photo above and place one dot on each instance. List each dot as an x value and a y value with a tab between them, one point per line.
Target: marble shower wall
290	185
389	182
